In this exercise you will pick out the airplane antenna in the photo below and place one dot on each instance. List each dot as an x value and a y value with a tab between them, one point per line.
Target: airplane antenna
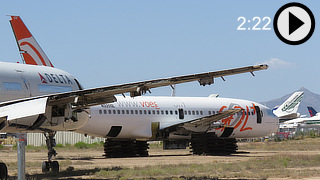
173	93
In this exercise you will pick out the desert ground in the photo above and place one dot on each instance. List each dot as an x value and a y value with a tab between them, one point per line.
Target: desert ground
294	159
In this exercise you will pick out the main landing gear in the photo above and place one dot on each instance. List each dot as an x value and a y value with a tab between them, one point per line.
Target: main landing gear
210	144
51	143
125	148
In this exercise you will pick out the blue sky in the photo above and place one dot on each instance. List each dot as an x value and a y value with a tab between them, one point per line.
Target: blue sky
113	42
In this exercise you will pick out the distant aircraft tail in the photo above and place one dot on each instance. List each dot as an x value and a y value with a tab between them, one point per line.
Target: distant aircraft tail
27	44
312	111
288	110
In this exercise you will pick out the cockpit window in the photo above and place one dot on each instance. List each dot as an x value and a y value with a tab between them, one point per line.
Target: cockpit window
53	88
12	86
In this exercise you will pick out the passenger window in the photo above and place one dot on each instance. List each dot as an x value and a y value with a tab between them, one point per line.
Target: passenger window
145	111
171	112
167	112
114	111
10	86
100	111
185	112
131	111
176	112
149	112
104	111
189	112
136	111
140	111
162	112
158	112
153	112
201	113
118	111
123	112
209	112
197	112
109	111
193	113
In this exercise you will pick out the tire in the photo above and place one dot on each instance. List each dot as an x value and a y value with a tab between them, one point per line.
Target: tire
55	166
3	171
45	166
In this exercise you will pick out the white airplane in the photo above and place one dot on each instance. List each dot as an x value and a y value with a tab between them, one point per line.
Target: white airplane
314	119
36	97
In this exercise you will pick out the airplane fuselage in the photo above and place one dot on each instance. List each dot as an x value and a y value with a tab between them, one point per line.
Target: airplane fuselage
136	116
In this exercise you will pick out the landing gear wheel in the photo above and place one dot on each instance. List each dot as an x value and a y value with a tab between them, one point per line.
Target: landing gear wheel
210	144
125	148
55	166
3	171
45	167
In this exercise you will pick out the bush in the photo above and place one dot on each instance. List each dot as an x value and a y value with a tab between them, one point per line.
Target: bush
81	145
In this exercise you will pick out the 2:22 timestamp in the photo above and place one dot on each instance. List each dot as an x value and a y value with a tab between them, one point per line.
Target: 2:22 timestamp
255	24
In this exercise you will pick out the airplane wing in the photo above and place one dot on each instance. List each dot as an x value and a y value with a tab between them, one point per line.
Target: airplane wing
29	111
90	97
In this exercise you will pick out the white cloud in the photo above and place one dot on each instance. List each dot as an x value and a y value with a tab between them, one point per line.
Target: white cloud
275	63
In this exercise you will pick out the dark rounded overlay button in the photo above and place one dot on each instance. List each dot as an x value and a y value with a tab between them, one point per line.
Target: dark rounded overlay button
294	23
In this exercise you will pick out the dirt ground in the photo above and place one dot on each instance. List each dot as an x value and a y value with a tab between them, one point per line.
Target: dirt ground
88	161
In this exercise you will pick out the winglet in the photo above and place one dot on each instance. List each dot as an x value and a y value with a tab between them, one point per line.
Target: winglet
288	110
27	44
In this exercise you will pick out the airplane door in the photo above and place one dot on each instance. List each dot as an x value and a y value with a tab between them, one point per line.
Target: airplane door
25	85
258	113
181	113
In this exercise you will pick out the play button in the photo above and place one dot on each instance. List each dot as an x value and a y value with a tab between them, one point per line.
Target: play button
294	23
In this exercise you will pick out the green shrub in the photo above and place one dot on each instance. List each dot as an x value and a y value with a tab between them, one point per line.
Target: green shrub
81	145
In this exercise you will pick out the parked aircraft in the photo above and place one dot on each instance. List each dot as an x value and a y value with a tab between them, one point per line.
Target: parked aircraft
314	119
41	98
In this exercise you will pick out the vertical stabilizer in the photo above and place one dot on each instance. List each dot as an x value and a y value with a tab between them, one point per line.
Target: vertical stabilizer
288	110
312	111
27	44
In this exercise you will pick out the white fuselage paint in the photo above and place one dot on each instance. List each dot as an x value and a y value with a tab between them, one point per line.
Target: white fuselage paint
20	81
136	115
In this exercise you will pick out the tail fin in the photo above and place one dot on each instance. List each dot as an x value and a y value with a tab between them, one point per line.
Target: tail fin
27	44
312	111
288	110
